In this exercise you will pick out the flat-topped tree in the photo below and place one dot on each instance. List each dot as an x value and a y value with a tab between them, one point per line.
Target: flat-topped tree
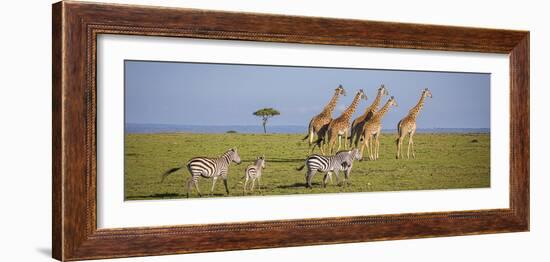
265	114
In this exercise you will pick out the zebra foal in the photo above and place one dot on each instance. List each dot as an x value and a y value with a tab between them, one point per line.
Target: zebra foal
208	168
254	172
343	160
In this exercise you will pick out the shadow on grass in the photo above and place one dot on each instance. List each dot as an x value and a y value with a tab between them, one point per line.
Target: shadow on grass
132	154
297	185
284	160
173	195
156	196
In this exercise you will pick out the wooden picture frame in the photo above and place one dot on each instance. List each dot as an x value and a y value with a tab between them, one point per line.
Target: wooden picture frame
75	28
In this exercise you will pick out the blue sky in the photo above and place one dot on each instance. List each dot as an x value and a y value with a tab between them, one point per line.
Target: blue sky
227	94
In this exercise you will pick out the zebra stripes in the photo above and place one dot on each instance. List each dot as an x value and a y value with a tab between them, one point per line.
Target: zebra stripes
343	160
254	172
215	168
208	168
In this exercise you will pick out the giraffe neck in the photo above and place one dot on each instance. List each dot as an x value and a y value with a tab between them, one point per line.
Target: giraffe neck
382	111
416	109
349	111
375	103
329	108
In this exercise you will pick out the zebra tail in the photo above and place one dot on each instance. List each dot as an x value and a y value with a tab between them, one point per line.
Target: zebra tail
301	167
308	130
170	171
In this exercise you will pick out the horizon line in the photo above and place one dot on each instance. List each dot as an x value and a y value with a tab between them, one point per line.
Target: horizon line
279	125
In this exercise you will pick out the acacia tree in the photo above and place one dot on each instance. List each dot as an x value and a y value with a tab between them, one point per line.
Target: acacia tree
265	114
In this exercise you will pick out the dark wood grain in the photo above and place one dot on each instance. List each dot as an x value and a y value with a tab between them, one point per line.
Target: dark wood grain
519	129
57	195
75	29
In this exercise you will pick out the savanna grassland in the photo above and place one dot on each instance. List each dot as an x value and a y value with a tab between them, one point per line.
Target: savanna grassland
443	161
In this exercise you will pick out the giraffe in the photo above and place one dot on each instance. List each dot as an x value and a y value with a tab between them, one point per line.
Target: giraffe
319	123
371	131
340	126
358	124
407	125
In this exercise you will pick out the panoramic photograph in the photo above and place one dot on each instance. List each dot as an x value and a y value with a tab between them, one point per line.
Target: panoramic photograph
202	130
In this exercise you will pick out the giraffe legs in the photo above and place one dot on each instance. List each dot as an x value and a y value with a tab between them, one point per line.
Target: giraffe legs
358	134
368	144
411	141
412	148
409	145
332	144
319	143
313	148
399	146
373	146
321	139
399	142
326	144
363	149
371	149
377	148
330	141
346	139
353	134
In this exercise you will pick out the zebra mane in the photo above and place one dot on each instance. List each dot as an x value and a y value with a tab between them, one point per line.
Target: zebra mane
228	155
348	155
343	151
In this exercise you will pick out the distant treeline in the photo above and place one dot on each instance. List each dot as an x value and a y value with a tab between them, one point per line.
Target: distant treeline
251	129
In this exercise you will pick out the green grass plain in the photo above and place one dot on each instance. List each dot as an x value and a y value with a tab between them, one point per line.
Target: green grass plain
443	161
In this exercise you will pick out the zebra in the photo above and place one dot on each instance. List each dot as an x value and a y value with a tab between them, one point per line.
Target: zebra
343	160
208	168
254	172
